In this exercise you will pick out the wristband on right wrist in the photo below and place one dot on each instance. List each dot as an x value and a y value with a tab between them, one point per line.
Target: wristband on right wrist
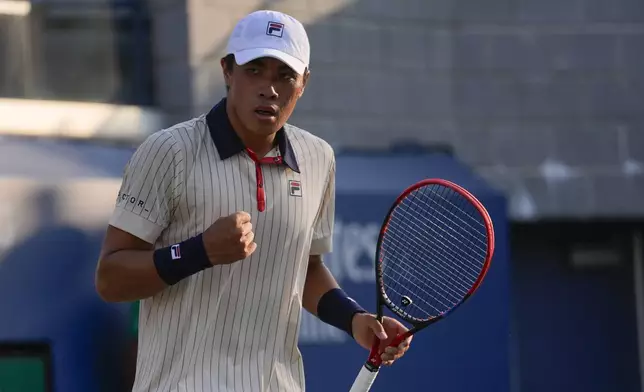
178	261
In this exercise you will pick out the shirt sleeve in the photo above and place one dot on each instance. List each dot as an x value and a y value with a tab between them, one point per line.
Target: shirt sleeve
147	195
323	230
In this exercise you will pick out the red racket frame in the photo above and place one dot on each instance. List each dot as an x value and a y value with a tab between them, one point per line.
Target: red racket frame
374	361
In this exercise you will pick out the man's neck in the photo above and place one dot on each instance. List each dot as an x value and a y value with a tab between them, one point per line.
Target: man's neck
260	144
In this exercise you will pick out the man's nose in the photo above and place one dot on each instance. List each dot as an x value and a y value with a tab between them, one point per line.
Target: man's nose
268	91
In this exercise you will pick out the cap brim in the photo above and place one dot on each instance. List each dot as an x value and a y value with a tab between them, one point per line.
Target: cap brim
244	56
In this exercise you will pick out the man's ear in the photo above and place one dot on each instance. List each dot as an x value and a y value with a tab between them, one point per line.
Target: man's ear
305	80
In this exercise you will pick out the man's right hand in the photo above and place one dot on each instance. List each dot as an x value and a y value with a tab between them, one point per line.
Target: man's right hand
229	239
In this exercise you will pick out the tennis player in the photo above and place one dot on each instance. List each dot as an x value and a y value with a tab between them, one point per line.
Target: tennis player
220	226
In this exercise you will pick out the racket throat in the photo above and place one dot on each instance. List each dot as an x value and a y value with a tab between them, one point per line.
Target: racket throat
371	366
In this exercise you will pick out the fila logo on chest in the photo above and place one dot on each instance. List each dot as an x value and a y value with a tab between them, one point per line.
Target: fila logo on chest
295	188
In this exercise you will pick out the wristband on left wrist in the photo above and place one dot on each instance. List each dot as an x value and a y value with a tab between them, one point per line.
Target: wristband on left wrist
336	308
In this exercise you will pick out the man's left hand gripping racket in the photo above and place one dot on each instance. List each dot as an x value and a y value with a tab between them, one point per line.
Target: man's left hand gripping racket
434	249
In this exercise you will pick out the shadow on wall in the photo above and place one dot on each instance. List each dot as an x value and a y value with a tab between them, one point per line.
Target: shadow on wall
47	293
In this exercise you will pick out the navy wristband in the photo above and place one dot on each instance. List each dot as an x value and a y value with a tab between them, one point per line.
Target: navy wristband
181	260
337	309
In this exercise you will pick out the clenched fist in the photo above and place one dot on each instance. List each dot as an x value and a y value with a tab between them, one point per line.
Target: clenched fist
229	239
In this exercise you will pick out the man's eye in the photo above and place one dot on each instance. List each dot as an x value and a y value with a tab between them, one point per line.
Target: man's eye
253	71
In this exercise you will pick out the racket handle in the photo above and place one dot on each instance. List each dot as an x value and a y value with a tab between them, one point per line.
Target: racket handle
364	380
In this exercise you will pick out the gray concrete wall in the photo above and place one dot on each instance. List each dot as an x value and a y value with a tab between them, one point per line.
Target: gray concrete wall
171	52
543	97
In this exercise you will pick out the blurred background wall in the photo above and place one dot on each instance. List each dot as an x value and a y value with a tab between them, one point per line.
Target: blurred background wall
543	99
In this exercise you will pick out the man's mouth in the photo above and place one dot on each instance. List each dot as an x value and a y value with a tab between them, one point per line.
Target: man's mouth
266	111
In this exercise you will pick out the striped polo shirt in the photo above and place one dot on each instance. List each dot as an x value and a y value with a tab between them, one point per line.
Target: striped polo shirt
231	327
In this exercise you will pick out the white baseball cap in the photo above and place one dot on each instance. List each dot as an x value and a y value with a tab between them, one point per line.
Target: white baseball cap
270	34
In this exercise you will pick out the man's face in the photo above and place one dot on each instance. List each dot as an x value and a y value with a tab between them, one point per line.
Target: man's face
263	93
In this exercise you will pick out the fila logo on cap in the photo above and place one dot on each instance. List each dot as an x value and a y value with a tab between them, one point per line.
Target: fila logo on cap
275	29
175	251
295	188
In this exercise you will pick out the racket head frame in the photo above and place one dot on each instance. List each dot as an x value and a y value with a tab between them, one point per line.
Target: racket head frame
374	361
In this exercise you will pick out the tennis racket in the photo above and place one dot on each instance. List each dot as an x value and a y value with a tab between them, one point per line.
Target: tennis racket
433	252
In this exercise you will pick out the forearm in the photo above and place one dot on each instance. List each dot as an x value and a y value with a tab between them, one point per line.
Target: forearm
128	275
324	298
319	281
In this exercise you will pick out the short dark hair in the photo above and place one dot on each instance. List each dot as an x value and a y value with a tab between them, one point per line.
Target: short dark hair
229	61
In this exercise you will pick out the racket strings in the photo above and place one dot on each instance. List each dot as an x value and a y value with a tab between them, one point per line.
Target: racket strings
420	309
447	220
394	284
461	255
445	237
444	296
454	258
472	220
482	243
447	269
446	293
431	253
412	218
426	275
438	271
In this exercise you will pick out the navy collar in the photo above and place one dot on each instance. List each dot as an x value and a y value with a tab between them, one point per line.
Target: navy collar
228	142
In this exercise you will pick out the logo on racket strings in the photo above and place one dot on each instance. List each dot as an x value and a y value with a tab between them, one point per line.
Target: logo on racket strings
405	301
